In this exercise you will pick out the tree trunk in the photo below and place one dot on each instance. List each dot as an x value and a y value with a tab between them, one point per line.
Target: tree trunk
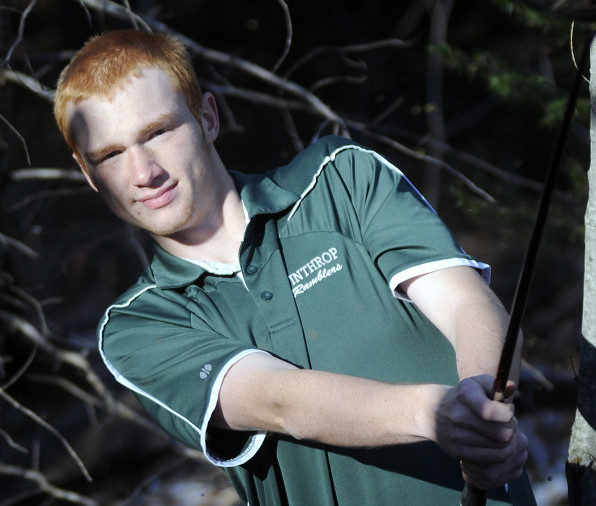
581	475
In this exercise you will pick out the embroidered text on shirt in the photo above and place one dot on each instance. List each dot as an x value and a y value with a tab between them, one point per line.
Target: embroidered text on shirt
319	266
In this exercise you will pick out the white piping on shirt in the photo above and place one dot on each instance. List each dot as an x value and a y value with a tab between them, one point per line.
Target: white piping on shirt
417	270
331	158
256	440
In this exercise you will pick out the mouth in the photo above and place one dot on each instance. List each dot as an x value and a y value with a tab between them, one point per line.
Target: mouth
160	198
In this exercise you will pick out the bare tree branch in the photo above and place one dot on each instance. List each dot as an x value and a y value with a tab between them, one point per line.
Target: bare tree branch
289	31
42	482
48	173
28	82
426	158
21	33
40	421
19	136
18	245
11	442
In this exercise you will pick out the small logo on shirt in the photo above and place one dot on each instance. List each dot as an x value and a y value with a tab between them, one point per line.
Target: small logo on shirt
314	271
205	371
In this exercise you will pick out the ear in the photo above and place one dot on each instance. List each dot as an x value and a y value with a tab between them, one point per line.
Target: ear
209	117
84	170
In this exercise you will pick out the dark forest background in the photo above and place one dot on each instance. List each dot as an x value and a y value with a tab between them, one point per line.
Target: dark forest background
465	97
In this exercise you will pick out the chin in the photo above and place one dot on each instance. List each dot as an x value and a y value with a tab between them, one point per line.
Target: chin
166	229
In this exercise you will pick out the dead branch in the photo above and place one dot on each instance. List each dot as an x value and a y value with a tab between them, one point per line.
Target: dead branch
19	136
289	30
44	485
21	371
48	173
21	33
10	242
343	53
40	421
417	155
12	443
57	193
28	82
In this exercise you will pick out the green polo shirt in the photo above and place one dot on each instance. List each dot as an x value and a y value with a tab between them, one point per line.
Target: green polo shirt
329	239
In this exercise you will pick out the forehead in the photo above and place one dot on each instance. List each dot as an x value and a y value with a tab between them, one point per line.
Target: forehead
137	101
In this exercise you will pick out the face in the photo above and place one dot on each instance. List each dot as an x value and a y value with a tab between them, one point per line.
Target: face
151	160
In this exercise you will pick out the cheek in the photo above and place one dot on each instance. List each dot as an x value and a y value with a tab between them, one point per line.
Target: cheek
110	188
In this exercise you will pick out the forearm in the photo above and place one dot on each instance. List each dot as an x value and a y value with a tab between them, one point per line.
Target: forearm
263	393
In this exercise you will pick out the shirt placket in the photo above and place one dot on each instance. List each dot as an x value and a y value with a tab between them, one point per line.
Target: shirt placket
266	279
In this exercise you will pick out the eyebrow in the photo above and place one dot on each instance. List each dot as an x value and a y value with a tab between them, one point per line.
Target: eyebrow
163	120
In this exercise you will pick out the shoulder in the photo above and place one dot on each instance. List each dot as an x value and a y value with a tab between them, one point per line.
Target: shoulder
309	163
145	304
330	151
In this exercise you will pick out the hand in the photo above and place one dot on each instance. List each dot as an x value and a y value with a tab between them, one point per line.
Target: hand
481	433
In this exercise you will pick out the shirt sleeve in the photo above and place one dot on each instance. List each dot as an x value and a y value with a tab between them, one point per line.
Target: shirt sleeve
403	234
154	345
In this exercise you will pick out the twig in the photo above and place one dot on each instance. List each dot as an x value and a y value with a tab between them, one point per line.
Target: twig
19	136
63	192
48	173
289	34
387	111
32	302
21	33
28	82
21	370
18	245
12	443
42	482
345	50
115	407
256	97
327	81
133	17
425	158
40	421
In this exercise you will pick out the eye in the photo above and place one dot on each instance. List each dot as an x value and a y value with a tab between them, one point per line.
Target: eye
111	154
159	131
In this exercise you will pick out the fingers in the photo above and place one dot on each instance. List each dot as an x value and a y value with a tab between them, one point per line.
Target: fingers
481	433
485	476
474	419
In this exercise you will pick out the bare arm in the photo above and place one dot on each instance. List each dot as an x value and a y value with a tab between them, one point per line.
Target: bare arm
469	314
263	392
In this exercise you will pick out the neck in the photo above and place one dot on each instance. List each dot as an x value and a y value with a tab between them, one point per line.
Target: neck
219	237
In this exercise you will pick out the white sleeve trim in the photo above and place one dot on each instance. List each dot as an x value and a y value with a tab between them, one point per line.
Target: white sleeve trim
255	441
419	270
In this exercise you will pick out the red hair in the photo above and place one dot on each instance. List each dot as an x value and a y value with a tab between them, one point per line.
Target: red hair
106	61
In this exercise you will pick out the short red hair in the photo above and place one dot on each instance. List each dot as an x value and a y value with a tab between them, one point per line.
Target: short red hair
107	60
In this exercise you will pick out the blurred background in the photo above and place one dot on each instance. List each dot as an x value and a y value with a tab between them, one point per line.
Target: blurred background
464	97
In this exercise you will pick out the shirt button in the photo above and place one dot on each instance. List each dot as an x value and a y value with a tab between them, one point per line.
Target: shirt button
251	269
266	295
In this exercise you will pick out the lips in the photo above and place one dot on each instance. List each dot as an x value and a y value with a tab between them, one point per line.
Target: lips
160	198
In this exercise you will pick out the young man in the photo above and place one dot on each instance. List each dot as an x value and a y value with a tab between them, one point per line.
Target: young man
315	330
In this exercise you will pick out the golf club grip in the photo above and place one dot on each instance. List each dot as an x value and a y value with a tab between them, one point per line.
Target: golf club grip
472	496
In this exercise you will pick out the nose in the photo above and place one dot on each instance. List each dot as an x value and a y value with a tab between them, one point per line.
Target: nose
144	169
